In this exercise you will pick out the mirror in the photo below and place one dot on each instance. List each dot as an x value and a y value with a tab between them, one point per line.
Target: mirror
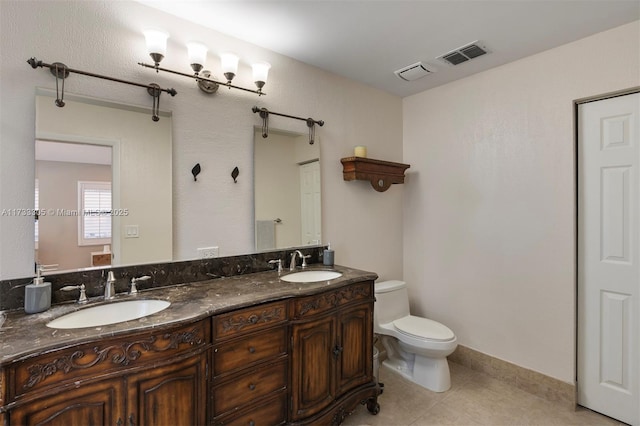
142	184
287	191
100	142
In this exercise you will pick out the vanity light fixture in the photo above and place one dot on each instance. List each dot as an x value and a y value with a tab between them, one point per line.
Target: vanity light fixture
157	48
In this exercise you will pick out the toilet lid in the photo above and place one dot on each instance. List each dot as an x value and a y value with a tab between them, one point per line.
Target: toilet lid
423	328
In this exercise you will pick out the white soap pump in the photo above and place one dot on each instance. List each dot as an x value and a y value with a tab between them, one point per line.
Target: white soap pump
37	296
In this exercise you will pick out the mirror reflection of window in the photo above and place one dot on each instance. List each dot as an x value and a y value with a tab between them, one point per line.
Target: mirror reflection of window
94	218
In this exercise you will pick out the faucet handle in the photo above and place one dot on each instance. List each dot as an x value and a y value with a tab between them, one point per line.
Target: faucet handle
83	294
277	262
134	289
304	260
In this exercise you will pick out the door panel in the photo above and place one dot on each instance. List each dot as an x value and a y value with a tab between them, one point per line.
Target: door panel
608	267
311	206
97	404
313	380
356	342
172	395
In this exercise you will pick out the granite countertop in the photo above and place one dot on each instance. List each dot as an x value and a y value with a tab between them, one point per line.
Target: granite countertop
22	336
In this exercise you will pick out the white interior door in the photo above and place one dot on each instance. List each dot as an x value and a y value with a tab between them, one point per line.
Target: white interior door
608	257
310	203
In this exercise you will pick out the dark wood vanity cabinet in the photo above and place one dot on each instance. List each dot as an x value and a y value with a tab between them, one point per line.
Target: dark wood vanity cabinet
332	355
300	360
152	378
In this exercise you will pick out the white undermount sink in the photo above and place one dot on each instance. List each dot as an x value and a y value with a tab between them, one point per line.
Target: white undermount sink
310	276
110	313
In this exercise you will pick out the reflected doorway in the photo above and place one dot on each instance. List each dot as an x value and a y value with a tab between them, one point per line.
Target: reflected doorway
74	198
287	185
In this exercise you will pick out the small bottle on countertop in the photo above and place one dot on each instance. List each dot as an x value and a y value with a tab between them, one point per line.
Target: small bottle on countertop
37	296
327	256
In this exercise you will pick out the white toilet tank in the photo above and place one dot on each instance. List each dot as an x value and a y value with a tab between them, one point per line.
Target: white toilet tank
392	302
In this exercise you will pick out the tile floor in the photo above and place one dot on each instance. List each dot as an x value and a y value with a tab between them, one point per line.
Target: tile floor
474	399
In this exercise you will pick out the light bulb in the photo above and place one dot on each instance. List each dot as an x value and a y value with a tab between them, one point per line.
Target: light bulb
156	44
260	73
197	55
229	63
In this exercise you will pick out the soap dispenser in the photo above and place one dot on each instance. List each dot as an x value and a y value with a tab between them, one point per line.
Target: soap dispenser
327	256
37	296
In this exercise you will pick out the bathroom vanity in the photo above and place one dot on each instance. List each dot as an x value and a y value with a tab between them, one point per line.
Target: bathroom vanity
250	349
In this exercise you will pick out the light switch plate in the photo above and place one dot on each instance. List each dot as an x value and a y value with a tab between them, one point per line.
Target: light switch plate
131	231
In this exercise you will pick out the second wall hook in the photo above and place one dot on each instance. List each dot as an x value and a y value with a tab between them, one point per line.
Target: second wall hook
196	171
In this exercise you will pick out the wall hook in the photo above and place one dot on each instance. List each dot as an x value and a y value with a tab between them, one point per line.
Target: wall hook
196	171
234	174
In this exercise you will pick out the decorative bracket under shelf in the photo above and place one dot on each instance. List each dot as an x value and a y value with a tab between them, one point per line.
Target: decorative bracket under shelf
380	173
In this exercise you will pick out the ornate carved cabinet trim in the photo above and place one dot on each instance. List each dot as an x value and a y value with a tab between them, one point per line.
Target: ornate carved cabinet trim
250	319
317	304
86	361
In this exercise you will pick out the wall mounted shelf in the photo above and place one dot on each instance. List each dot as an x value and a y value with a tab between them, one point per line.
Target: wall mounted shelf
381	174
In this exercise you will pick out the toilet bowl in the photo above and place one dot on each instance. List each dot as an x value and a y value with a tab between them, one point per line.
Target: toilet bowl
417	348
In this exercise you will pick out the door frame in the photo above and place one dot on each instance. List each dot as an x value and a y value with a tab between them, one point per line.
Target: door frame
576	146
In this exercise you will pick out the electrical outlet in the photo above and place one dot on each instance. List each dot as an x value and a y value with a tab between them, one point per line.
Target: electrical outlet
208	252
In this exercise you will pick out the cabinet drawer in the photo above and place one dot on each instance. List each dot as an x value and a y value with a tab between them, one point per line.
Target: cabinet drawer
317	304
245	352
271	412
250	319
105	356
249	387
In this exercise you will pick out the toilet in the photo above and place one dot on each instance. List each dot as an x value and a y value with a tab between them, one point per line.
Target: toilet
417	348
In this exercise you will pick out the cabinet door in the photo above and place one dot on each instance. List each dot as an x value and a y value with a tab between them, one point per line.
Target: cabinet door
171	395
94	404
313	377
355	344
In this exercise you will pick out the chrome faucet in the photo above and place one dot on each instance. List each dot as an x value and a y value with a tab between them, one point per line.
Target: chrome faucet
109	288
292	265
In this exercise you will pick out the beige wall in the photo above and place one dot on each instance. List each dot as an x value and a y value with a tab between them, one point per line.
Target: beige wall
215	131
489	232
58	190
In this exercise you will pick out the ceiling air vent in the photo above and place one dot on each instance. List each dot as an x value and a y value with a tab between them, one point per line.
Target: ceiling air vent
464	53
415	71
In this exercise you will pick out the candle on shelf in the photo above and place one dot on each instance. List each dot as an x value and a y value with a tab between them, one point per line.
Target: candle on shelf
360	151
